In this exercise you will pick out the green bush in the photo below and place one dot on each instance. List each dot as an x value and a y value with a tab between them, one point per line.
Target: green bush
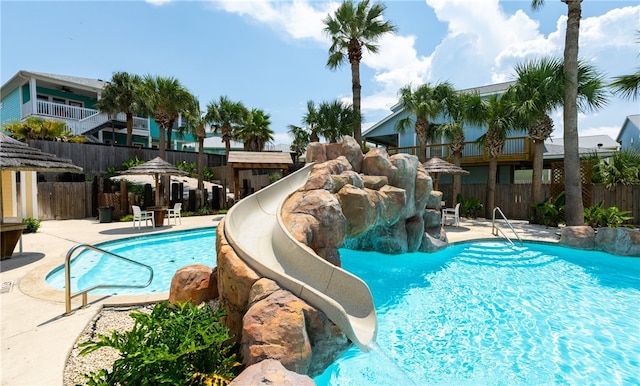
552	211
469	207
33	224
596	216
173	345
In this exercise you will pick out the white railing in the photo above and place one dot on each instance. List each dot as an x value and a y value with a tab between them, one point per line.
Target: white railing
78	119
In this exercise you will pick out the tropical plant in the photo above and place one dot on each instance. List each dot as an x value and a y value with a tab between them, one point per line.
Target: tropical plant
226	117
461	108
311	121
499	114
255	132
354	28
123	94
552	211
623	167
167	347
131	162
597	216
572	181
300	139
40	128
426	103
538	91
195	123
33	224
165	99
469	207
627	86
335	120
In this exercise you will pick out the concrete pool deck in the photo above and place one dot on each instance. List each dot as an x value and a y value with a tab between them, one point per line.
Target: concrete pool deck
36	337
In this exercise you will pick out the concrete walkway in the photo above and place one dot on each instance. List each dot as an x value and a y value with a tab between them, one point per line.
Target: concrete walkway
36	337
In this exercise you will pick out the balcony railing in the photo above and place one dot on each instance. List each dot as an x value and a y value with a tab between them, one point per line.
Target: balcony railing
78	119
515	149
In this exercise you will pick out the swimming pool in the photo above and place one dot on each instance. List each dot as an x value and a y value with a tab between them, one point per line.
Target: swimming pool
164	252
486	313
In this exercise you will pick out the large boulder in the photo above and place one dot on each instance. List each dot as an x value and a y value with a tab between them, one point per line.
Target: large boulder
195	283
316	152
358	208
352	151
320	175
376	163
270	372
580	237
280	326
618	241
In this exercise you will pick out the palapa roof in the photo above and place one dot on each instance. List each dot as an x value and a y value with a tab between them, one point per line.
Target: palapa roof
155	166
437	165
17	156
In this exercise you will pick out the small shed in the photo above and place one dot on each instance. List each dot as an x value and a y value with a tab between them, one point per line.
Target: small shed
248	160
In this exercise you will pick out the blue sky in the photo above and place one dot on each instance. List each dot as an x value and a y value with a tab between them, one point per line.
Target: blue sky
272	55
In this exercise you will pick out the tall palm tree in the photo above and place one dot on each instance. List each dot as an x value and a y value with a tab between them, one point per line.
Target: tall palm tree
255	133
539	91
499	114
195	124
165	99
335	120
226	117
426	103
572	181
300	139
462	109
352	28
123	94
628	86
310	120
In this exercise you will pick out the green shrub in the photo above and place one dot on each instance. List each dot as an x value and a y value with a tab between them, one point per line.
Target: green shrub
33	224
469	207
125	218
552	211
170	346
596	216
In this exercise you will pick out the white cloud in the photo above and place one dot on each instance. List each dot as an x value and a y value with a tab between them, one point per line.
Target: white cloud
158	2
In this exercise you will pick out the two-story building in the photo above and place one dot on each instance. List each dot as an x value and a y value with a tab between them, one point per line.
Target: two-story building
629	136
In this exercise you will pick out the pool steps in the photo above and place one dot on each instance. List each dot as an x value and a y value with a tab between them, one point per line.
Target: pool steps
255	230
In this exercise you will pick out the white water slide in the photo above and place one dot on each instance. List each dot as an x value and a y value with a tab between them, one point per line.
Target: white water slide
254	228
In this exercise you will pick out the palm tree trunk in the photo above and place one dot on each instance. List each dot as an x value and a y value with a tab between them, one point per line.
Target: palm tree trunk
457	179
356	89
129	129
491	187
200	163
161	142
572	181
536	179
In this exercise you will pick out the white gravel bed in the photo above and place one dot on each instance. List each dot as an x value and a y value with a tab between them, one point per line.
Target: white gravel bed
107	320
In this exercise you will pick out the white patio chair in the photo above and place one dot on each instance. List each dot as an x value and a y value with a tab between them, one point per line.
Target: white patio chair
139	215
451	213
174	214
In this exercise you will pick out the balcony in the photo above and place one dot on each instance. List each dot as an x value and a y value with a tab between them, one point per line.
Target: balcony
516	149
79	120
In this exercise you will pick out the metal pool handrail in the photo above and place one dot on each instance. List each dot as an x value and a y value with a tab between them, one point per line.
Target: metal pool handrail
495	229
67	276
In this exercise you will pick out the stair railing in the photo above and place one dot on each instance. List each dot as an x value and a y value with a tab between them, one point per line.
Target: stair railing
495	230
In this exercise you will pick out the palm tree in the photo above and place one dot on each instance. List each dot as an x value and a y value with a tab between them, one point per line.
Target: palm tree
256	131
300	140
461	109
195	124
572	181
539	90
165	99
335	120
123	94
39	128
352	28
310	120
427	103
499	114
628	86
226	117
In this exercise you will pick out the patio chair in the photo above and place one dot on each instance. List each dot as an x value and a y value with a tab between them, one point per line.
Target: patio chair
451	213
174	214
139	215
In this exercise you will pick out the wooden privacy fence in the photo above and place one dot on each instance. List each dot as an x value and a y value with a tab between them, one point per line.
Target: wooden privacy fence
515	199
65	200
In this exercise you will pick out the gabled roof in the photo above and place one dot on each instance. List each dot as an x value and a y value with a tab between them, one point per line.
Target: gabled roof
554	147
632	119
74	81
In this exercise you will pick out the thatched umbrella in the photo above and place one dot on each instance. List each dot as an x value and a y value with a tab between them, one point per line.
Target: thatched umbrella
156	167
436	165
17	156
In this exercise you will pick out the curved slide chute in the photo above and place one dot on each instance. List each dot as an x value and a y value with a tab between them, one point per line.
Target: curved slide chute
254	228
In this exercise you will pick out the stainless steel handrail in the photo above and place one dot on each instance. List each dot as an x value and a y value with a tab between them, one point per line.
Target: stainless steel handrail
495	229
67	276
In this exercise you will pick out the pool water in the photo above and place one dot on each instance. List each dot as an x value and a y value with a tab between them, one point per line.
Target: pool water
164	252
486	313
